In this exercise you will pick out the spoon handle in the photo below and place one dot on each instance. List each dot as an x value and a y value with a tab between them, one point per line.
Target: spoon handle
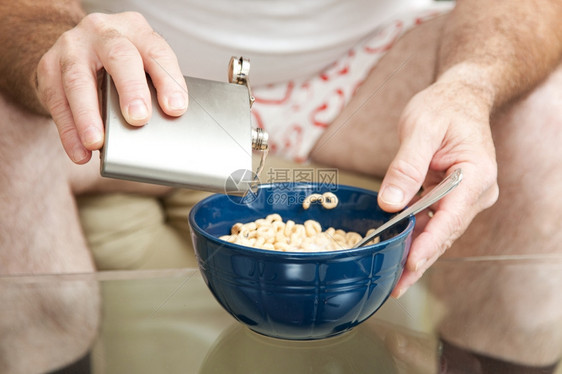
436	194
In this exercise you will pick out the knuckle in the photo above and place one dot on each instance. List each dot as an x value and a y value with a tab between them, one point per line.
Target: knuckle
444	247
45	70
44	65
133	87
57	106
407	172
67	133
53	101
95	21
157	36
160	52
494	194
456	225
119	49
454	228
490	168
136	17
130	89
110	35
47	96
100	25
73	75
68	40
488	192
68	65
110	24
490	196
82	116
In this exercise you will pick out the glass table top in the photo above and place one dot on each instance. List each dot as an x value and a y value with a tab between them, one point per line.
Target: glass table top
167	321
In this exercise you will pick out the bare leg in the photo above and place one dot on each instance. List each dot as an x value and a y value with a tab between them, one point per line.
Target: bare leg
37	226
509	312
516	308
44	324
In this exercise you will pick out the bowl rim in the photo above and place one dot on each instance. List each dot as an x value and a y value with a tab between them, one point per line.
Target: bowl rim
294	254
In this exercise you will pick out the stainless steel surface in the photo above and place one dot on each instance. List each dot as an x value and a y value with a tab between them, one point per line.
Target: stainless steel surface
203	149
259	140
436	194
238	72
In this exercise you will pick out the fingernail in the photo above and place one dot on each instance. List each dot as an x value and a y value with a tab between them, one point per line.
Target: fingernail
177	101
401	292
420	264
79	154
92	136
137	110
392	195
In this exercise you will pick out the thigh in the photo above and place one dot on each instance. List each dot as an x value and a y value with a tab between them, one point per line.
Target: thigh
510	304
364	136
38	224
47	323
526	218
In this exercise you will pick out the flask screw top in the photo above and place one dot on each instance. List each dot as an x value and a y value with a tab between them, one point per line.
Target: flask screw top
259	139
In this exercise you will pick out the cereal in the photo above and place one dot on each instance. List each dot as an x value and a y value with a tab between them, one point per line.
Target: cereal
330	201
310	199
274	234
327	199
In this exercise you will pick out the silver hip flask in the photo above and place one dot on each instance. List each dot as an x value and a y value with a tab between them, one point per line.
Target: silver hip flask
208	148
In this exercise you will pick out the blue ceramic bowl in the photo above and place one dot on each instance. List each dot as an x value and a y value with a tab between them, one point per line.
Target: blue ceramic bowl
299	296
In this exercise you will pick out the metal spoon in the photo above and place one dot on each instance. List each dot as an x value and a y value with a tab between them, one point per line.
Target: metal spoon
438	192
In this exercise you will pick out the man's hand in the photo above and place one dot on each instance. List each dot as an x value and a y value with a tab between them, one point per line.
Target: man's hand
444	127
485	60
126	47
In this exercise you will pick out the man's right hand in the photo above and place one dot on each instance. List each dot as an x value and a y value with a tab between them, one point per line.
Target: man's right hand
127	48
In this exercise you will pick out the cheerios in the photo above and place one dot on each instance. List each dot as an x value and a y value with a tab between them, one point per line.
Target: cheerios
330	200
327	199
310	199
274	234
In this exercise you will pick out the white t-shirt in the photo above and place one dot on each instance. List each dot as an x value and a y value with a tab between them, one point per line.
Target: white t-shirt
284	39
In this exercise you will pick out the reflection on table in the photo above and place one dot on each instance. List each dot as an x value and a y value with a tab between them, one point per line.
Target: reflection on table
174	325
167	321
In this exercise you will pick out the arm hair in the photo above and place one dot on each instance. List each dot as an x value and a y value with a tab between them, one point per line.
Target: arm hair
512	45
28	29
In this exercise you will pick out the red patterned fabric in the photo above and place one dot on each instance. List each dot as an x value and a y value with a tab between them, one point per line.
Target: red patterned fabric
296	113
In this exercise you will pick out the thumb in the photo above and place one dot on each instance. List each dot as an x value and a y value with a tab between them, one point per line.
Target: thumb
404	176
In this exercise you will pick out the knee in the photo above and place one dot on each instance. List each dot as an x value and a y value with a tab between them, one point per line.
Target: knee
47	326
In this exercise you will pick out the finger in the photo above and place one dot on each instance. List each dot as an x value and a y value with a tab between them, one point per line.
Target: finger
449	221
70	138
447	224
51	94
414	270
62	116
162	65
80	86
405	174
123	62
415	265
